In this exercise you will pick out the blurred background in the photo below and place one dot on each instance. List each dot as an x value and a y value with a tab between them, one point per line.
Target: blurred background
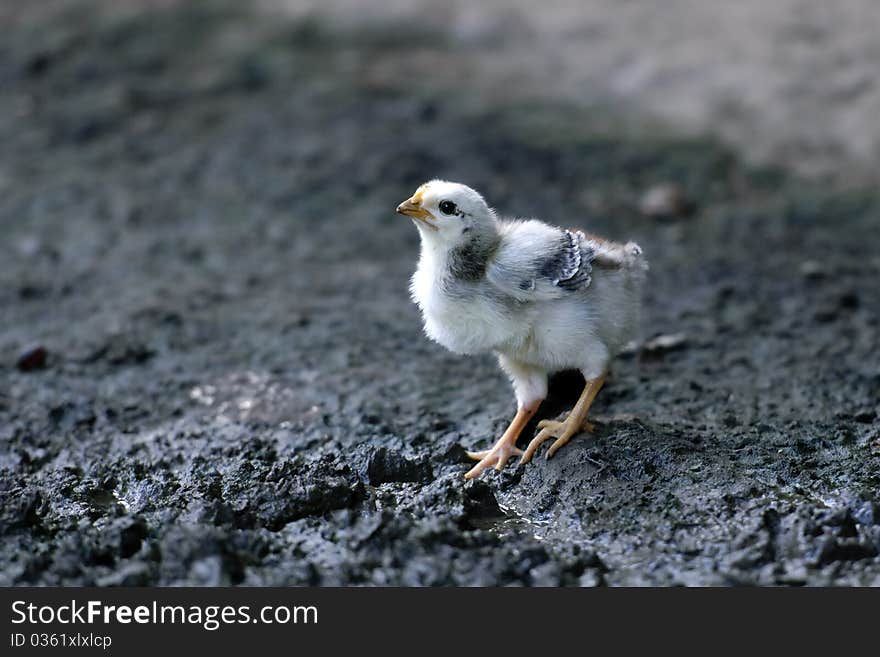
210	369
794	81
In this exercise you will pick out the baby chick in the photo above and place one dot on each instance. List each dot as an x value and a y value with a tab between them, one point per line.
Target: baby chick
542	298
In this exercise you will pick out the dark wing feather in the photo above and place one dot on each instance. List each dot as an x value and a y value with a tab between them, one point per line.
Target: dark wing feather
537	261
571	265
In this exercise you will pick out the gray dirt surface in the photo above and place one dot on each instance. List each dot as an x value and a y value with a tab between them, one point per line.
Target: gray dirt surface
233	388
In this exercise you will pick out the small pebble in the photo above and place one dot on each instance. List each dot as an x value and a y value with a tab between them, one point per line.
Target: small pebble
665	201
32	359
813	270
663	344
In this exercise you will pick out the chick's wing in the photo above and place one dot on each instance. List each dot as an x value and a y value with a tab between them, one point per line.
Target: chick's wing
536	262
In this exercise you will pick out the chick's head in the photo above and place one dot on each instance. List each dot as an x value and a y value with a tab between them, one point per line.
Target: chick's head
449	212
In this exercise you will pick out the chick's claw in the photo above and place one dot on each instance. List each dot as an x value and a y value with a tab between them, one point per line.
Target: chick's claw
585	426
562	431
505	447
496	457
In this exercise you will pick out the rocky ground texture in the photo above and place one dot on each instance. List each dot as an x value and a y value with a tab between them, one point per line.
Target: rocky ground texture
211	372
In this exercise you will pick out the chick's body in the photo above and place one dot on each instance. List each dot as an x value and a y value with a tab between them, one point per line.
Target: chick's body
542	298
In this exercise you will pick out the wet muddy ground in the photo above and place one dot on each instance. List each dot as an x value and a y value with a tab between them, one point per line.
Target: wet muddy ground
212	372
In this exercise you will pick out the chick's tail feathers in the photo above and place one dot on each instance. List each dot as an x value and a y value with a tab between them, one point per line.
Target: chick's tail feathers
634	257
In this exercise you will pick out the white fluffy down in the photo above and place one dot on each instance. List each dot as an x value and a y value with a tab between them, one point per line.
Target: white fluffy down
537	331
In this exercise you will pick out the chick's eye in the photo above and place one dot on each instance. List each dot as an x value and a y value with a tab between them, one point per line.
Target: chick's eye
447	207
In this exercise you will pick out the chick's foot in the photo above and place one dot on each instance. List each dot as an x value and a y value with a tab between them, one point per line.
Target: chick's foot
562	431
506	447
572	425
496	457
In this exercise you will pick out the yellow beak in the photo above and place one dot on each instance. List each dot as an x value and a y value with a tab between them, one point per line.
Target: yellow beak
411	208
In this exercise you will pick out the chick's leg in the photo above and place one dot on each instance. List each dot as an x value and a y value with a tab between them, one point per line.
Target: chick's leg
573	424
506	447
530	387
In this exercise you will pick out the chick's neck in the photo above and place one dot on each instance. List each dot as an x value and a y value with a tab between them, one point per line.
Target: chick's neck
464	259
